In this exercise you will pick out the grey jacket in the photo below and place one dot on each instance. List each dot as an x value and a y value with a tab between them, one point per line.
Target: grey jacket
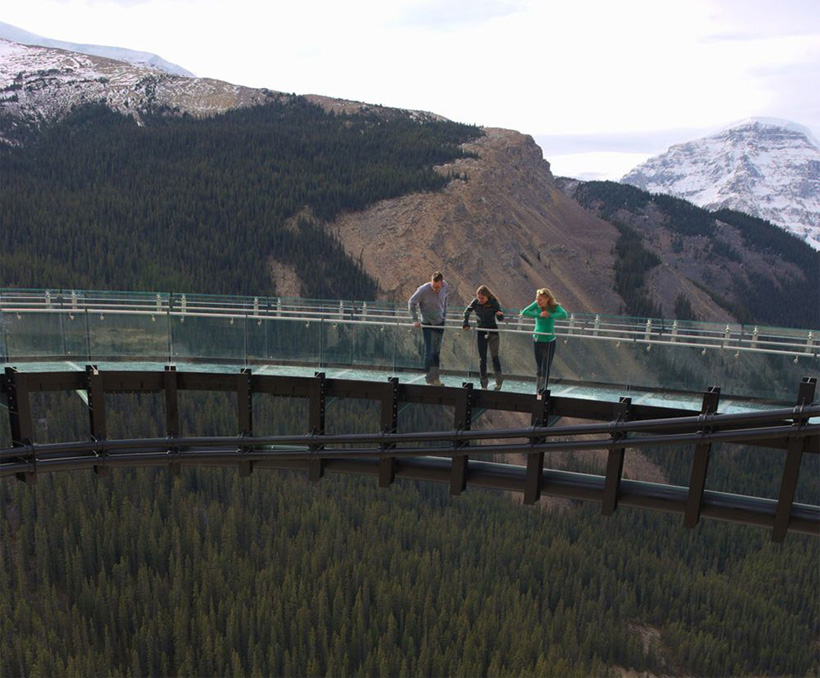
432	305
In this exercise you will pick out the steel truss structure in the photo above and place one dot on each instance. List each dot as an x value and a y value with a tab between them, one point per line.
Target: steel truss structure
446	457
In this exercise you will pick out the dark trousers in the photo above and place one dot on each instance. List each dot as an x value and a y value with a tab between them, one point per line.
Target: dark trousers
486	338
544	353
432	335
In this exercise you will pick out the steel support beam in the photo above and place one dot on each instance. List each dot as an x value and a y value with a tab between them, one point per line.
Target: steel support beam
615	461
700	462
462	417
244	416
170	382
541	406
791	469
20	424
96	414
389	424
317	391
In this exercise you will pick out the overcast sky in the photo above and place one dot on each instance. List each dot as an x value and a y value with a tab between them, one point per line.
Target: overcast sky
600	84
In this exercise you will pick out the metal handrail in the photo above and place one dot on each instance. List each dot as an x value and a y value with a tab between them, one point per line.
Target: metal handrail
774	341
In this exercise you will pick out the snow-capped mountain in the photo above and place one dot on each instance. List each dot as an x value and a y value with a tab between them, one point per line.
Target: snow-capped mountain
146	59
39	84
765	167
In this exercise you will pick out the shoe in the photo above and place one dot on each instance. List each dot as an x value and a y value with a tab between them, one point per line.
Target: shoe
499	379
484	383
436	382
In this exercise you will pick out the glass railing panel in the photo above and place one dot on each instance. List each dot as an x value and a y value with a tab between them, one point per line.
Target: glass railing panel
207	338
39	335
760	375
610	363
135	336
459	355
409	347
361	344
291	340
516	353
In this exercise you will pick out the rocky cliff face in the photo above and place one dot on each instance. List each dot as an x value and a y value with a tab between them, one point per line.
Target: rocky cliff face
506	225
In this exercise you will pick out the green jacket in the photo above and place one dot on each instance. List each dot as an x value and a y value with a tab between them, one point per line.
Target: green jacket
544	327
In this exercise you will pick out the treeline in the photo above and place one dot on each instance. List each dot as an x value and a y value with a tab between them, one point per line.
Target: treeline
143	573
207	204
632	265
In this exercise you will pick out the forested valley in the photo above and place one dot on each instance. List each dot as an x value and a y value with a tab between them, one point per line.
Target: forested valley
143	572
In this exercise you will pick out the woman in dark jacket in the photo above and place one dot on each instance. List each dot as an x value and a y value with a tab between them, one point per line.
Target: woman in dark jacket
487	311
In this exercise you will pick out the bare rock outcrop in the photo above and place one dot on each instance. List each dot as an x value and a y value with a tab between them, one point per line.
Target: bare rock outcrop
505	223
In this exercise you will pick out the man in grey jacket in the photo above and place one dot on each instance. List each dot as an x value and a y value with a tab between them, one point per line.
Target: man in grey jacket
430	302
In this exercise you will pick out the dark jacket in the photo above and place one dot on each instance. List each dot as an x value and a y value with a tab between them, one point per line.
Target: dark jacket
485	314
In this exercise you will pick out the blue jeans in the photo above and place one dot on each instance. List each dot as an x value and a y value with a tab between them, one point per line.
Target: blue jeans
432	335
544	353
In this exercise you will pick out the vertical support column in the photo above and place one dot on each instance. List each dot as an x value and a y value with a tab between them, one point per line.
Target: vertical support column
20	419
700	463
463	418
316	423
389	424
96	414
615	461
170	382
533	481
791	469
244	411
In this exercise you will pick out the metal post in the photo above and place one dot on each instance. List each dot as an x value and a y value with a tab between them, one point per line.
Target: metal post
463	418
244	406
700	462
316	414
19	405
791	469
535	460
615	461
96	414
170	383
389	424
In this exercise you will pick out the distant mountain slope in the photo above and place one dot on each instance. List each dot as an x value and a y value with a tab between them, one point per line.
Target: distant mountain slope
145	59
678	260
763	167
40	85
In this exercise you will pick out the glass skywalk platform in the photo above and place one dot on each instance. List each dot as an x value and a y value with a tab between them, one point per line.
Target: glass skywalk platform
652	361
101	343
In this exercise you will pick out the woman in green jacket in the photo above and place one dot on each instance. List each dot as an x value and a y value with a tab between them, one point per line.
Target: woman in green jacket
545	309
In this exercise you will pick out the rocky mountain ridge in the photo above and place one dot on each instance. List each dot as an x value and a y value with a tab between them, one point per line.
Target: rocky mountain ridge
764	167
138	58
